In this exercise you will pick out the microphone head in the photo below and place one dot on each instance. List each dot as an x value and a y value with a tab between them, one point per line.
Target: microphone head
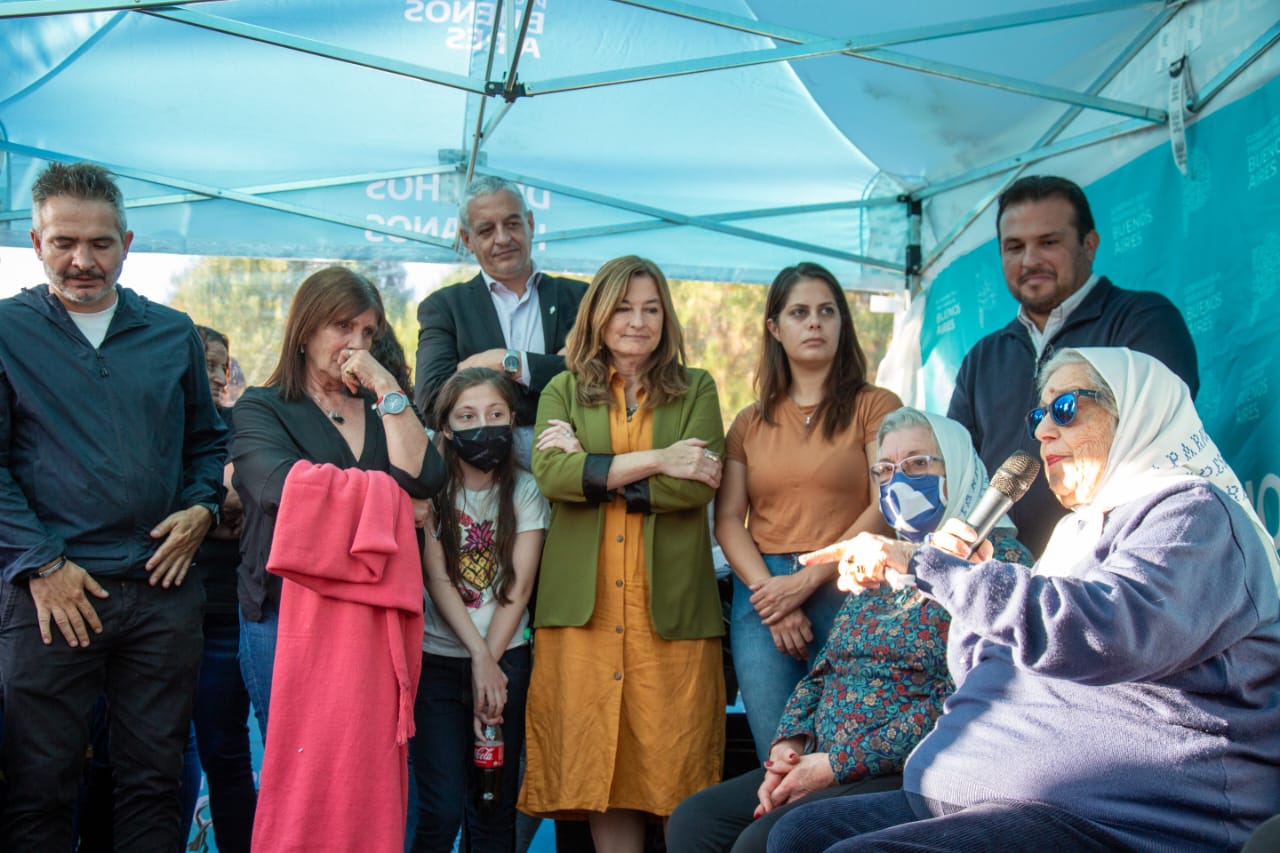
1016	475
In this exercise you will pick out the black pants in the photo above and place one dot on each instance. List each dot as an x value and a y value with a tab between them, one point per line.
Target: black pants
720	818
442	755
146	660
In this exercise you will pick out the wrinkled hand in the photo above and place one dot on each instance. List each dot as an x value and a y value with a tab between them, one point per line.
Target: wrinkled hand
182	533
488	689
783	758
956	538
778	596
490	358
689	459
810	773
559	434
60	599
792	635
361	370
863	560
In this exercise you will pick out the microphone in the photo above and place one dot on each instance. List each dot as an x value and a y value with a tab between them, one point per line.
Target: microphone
1009	484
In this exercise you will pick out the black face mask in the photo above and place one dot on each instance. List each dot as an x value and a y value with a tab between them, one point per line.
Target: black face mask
483	447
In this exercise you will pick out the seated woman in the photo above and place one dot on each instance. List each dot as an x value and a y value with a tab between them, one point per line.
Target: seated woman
880	680
1121	693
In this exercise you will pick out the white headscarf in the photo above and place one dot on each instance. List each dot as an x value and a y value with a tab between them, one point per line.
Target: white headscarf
966	475
1159	439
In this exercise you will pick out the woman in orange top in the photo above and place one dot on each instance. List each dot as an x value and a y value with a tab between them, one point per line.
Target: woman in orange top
626	703
796	471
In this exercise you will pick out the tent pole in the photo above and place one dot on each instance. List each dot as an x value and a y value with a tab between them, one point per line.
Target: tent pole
478	135
1153	27
510	91
914	251
1241	62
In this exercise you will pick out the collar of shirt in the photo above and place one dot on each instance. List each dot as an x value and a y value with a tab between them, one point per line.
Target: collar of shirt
1057	317
497	288
519	318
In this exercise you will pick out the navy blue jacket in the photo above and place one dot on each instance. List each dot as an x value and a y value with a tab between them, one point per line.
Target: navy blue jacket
99	446
996	385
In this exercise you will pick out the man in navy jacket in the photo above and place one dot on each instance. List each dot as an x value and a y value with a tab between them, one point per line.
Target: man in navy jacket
1047	244
111	457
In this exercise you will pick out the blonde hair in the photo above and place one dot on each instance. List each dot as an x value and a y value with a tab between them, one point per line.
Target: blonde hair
663	375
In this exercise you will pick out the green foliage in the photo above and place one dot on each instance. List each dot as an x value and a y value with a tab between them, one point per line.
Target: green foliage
247	299
723	328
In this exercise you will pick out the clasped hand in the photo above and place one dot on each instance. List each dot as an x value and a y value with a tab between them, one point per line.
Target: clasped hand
789	775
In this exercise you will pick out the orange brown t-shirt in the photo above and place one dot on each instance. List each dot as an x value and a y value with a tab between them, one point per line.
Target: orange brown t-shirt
804	490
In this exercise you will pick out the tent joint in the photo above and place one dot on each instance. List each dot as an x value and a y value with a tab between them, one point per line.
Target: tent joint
509	93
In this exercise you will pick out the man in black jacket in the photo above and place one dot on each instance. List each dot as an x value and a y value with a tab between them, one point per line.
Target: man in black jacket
1047	244
511	317
111	457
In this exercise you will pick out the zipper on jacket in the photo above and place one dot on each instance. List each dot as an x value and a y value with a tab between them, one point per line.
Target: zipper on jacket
102	365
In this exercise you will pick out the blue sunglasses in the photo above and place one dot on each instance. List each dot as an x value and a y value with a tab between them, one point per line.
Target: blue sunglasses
1063	409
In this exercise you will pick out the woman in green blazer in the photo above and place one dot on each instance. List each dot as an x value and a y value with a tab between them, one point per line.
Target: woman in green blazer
626	702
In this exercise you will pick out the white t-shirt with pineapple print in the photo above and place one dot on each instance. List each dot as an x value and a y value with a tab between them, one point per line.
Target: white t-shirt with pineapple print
477	520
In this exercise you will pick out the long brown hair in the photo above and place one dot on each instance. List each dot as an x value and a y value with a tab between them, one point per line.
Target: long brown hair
504	477
327	295
663	375
848	374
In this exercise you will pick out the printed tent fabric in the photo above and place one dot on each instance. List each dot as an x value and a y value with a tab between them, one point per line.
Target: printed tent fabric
343	130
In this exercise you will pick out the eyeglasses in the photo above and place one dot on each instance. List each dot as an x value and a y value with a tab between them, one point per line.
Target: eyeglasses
1063	409
913	467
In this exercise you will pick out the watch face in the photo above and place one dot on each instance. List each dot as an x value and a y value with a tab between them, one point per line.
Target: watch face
511	363
393	403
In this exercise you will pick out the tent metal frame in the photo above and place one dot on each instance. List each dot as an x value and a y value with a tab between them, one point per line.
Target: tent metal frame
798	45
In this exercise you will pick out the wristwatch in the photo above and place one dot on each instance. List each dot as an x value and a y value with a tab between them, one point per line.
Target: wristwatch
391	403
511	364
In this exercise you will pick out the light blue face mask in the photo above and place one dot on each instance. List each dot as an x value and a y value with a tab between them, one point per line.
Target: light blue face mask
913	506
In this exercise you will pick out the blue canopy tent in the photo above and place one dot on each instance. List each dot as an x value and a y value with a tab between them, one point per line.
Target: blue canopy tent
724	139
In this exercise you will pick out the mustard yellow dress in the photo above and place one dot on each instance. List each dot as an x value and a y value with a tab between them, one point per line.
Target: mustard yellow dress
618	717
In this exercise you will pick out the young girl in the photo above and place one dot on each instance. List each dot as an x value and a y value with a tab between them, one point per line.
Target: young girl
481	555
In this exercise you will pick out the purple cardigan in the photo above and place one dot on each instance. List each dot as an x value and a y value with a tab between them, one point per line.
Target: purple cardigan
1140	691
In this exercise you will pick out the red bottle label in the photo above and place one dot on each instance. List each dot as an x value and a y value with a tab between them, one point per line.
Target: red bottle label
488	755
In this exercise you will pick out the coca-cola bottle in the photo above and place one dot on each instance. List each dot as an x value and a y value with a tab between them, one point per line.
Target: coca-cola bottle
488	762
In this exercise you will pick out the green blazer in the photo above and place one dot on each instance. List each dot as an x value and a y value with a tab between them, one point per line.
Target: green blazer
683	599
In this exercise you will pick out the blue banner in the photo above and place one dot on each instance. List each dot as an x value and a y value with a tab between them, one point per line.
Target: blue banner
1210	241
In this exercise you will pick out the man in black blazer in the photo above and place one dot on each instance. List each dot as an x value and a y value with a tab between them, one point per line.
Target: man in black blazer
510	318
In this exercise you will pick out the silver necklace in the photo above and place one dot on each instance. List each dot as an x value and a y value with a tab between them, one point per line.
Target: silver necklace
329	413
808	416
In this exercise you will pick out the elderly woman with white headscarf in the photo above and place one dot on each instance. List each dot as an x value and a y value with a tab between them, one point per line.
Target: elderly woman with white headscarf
880	680
1122	694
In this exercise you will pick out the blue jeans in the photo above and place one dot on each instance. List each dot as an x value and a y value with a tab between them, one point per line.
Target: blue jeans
221	720
898	822
145	661
442	759
257	660
766	676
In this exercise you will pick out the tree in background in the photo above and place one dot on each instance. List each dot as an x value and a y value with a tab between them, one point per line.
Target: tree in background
723	325
247	299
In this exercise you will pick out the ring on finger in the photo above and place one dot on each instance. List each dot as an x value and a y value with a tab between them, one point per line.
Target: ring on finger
711	454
